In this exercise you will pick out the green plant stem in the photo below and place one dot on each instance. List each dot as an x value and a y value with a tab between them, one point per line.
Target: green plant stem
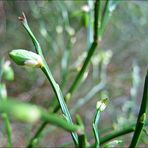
105	18
31	113
95	128
82	135
81	73
1	68
36	135
90	51
142	115
61	101
85	65
8	129
49	76
117	133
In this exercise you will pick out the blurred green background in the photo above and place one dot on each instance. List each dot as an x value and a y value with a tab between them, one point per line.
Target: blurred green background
64	30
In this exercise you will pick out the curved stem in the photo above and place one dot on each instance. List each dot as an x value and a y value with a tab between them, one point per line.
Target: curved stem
117	133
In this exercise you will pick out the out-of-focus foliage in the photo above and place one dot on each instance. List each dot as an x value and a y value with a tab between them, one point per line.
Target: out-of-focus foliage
63	30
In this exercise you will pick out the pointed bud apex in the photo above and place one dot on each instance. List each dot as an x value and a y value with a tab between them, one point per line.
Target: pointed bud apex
22	18
101	105
24	57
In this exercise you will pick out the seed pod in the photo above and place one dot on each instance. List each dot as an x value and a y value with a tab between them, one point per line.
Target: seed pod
24	57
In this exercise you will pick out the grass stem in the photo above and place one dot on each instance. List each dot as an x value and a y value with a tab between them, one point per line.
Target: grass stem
142	115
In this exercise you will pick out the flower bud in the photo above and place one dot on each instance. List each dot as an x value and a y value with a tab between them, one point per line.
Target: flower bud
24	57
8	73
26	113
101	105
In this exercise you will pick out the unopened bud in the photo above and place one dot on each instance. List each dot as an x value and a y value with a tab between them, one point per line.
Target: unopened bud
101	105
24	57
26	113
8	73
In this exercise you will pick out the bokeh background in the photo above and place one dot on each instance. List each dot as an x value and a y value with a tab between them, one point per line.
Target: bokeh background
64	30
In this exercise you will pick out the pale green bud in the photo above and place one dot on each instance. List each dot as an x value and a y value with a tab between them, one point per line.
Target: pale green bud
27	113
24	57
101	105
8	73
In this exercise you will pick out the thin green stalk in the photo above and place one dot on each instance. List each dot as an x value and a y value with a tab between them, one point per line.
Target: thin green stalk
142	115
32	113
80	74
90	25
95	128
3	98
36	135
85	65
1	68
117	133
8	129
24	22
109	7
91	49
82	135
61	101
82	141
101	105
49	76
